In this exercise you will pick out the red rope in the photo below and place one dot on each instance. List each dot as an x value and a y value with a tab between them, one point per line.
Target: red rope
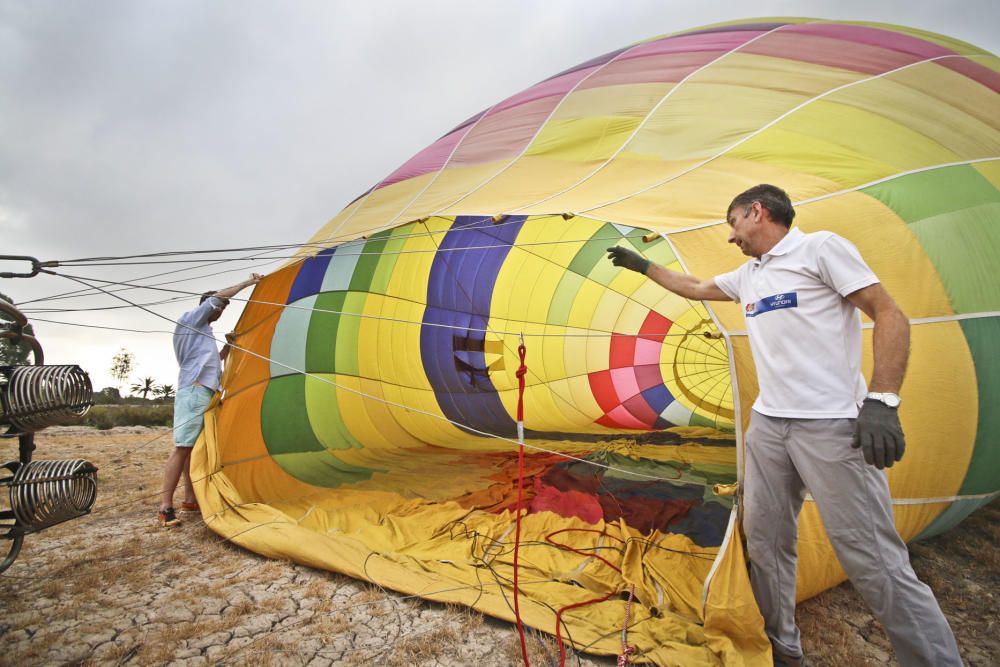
521	372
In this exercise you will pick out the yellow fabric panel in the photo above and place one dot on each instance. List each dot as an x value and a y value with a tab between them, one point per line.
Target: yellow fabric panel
702	195
940	404
582	313
990	171
573	138
888	246
432	427
531	179
607	311
975	107
674	132
734	627
632	100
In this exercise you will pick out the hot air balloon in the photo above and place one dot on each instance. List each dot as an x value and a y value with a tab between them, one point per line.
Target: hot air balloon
368	423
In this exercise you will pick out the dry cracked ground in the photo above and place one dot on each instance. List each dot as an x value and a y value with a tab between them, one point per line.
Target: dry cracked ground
114	588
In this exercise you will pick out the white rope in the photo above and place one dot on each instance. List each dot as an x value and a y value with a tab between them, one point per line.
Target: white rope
385	401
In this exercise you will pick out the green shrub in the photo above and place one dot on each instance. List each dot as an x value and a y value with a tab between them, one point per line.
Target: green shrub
104	417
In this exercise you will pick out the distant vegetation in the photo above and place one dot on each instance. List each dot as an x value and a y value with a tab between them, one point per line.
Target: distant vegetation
112	409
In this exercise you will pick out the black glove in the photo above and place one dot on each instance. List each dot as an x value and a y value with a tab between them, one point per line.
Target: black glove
878	433
628	259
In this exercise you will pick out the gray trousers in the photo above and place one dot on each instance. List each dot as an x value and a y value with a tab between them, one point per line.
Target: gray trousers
784	457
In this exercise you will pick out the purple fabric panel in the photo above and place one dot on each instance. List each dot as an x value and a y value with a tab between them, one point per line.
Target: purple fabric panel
886	39
713	41
559	85
459	293
590	64
430	159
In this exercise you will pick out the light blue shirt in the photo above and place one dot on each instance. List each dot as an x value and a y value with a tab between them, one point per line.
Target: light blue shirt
195	348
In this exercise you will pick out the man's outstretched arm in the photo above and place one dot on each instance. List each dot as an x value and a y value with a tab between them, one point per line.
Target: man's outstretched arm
228	292
682	284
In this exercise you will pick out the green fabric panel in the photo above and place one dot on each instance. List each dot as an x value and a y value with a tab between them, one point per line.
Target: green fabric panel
562	299
701	420
347	334
321	469
964	246
364	272
594	250
386	264
288	351
936	192
322	338
658	251
983	336
324	414
951	517
284	421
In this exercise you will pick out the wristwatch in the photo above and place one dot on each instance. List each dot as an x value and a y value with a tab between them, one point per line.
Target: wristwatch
890	399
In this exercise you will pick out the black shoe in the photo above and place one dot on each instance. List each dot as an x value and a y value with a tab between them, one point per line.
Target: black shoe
168	518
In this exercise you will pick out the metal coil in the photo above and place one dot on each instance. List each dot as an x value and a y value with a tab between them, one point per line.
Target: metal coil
36	397
44	493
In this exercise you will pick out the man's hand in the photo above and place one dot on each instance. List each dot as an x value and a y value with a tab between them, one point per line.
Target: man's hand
254	279
878	433
628	259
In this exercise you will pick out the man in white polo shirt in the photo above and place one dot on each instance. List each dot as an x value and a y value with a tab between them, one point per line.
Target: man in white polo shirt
801	295
200	371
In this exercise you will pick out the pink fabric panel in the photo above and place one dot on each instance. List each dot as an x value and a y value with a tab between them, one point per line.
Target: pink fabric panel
625	419
559	86
830	52
712	41
430	159
646	352
859	34
648	376
504	135
654	69
626	386
640	409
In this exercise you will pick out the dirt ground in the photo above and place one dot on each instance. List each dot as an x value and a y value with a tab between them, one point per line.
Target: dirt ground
114	588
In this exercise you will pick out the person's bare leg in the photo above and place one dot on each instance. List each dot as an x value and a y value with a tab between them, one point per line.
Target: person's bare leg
177	465
189	496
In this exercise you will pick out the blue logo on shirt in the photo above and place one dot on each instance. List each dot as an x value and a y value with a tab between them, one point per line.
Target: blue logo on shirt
773	302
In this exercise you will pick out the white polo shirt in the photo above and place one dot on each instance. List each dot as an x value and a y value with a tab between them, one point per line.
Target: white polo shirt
805	336
195	349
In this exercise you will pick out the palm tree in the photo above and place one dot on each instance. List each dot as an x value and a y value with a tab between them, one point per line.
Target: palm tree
145	386
164	391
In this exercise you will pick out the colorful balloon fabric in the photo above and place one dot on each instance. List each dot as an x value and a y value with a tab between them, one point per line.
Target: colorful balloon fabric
369	423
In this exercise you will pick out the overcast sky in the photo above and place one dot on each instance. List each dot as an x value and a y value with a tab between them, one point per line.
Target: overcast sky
135	126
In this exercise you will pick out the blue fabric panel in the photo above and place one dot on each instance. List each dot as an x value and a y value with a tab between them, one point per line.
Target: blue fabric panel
310	276
459	293
658	398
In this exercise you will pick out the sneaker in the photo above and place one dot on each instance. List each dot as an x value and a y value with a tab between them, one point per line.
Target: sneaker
190	507
168	519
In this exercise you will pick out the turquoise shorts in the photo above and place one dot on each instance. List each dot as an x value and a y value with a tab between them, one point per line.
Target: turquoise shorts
189	406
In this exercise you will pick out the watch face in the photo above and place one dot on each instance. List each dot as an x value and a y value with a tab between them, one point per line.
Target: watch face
891	400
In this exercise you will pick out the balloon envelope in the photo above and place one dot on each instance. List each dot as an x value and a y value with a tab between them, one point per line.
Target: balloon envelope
369	423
